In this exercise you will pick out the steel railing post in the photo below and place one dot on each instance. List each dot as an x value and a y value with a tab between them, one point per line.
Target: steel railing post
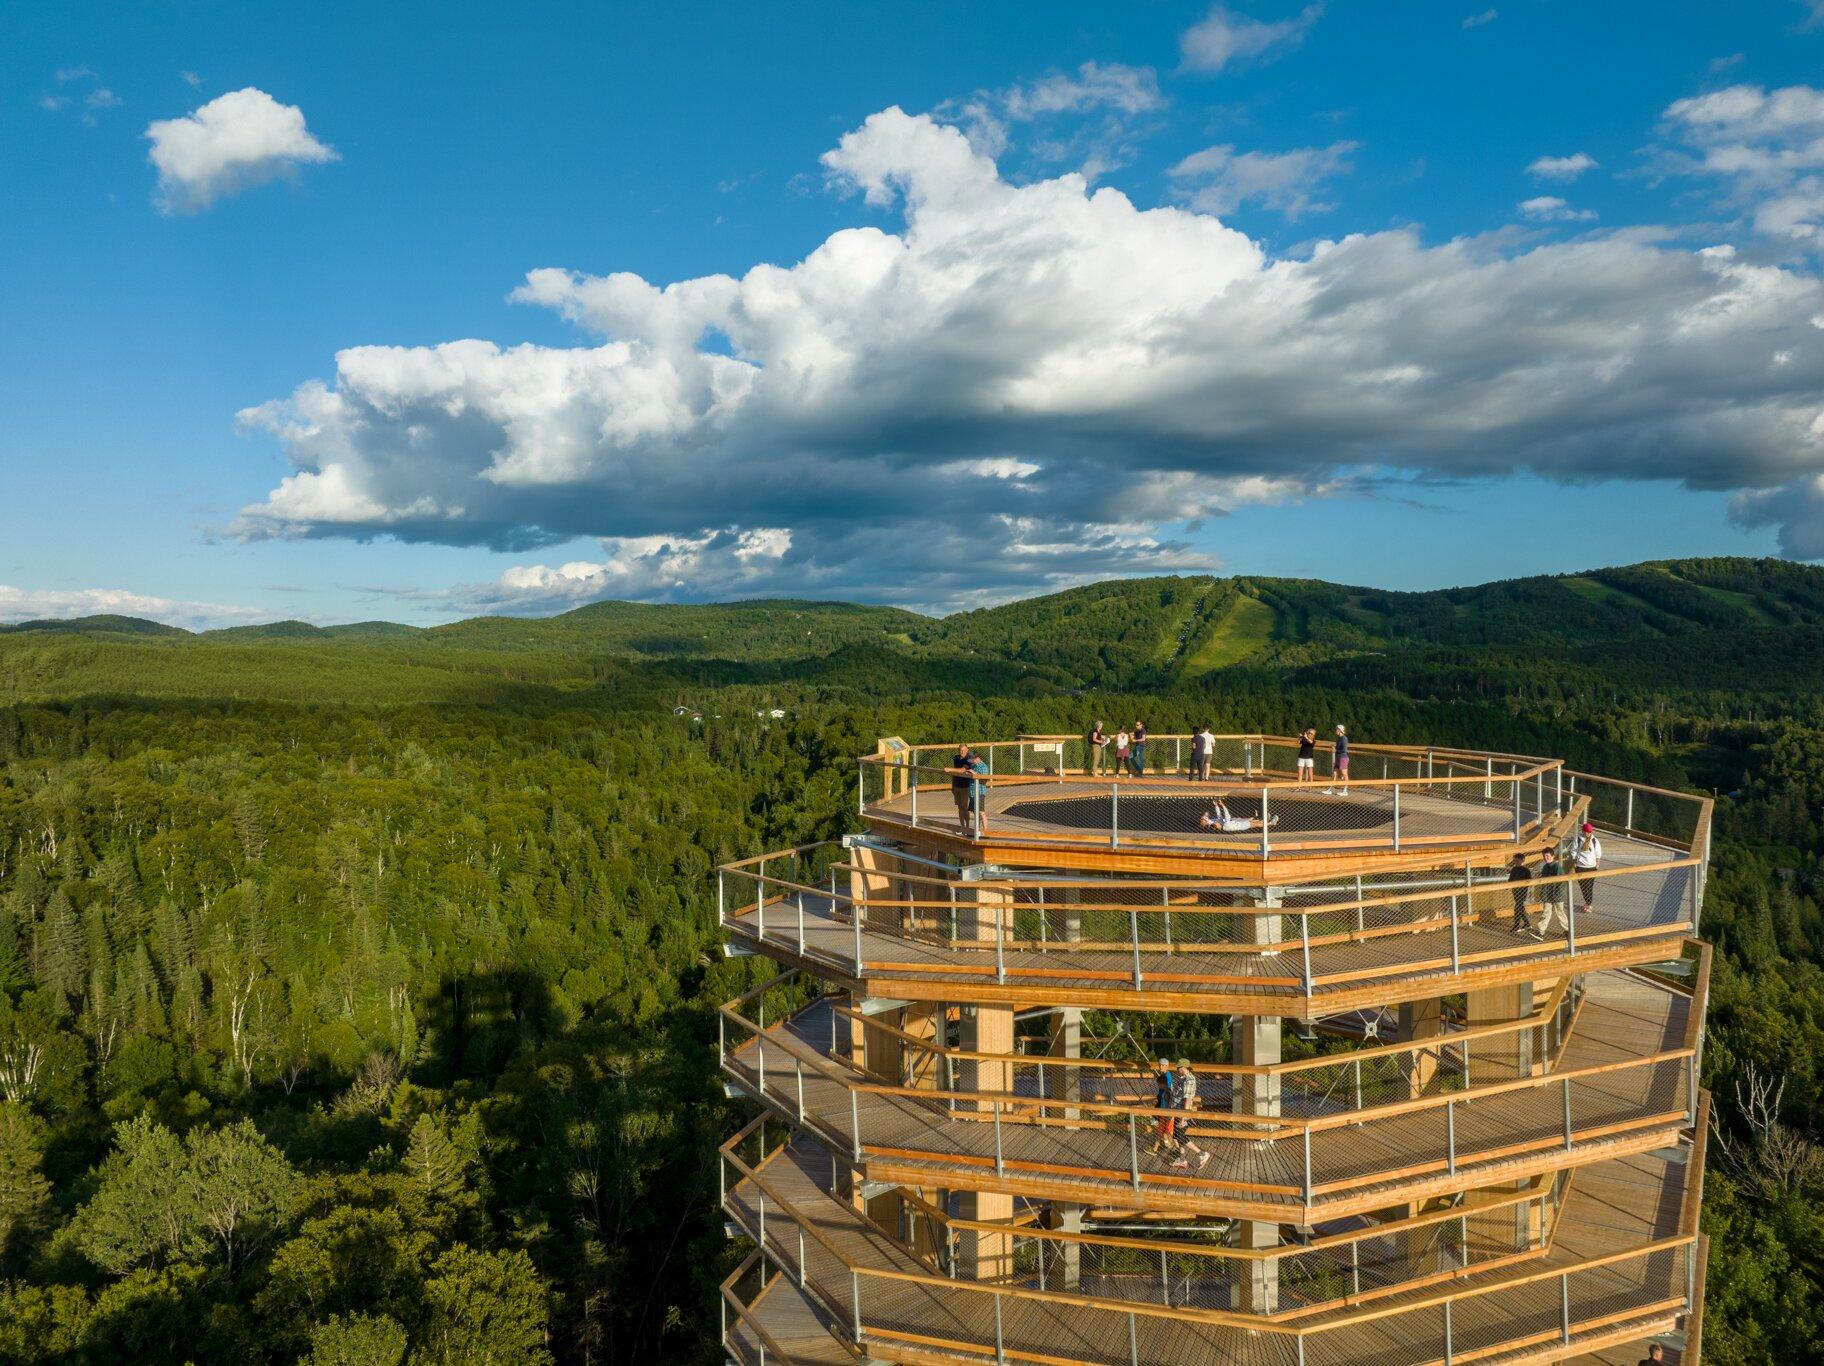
1450	1135
1488	781
721	900
1396	818
861	789
855	1124
855	1301
1133	1340
1307	1186
1564	1307
798	1067
1000	946
1304	930
999	1167
1567	1114
912	782
1000	1353
801	924
1114	816
1133	936
1450	1355
1266	822
1133	921
1629	827
1565	889
1515	784
1165	1281
1456	962
1133	1149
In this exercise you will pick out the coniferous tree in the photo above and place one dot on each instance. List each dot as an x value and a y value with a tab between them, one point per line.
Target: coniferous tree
24	1193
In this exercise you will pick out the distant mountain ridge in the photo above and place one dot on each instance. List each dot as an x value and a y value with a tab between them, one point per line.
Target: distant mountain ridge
1129	633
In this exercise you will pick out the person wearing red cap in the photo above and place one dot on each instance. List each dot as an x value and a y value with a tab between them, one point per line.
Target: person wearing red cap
1586	857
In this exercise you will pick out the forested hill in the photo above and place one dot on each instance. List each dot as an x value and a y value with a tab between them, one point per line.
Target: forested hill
358	986
1134	633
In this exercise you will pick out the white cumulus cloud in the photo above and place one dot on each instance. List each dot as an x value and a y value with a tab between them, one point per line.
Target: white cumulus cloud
1549	208
1087	118
1223	37
1025	385
1562	168
1219	179
1764	147
233	142
40	604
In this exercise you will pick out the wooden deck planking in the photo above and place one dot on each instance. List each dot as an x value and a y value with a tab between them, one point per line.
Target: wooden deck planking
913	1139
1610	1207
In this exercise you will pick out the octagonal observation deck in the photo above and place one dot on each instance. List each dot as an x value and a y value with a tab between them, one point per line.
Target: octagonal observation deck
1051	802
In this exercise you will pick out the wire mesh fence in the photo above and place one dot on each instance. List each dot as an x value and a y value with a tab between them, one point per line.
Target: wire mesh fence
880	914
976	1289
1300	1132
1252	794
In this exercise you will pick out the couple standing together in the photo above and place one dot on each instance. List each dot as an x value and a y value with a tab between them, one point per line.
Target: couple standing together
1130	750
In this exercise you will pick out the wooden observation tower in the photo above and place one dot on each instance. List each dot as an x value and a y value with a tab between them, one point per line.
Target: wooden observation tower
1417	1110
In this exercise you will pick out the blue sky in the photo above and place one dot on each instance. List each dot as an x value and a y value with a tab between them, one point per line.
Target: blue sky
1007	382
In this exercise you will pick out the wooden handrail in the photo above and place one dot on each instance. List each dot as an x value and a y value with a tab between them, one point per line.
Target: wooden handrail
1181	1312
1538	1019
744	1313
1009	887
1246	1127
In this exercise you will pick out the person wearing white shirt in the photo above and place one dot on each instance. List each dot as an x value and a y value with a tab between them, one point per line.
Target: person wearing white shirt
1586	857
1207	739
1219	817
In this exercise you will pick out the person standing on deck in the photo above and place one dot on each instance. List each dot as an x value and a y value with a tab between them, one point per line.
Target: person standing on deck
1307	757
1199	757
1521	877
1138	763
962	780
978	787
1097	744
1163	1101
1339	763
1586	857
1122	752
1185	1097
1555	896
1208	737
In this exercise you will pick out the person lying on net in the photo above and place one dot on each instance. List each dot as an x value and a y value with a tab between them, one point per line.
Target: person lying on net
1219	817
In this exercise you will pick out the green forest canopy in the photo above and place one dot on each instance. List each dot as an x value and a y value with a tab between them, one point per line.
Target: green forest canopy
357	986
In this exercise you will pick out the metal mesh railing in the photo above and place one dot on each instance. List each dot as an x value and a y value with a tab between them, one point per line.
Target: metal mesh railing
988	1112
1196	935
1059	790
875	1290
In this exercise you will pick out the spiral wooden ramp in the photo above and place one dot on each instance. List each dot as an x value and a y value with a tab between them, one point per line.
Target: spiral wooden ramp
1431	1115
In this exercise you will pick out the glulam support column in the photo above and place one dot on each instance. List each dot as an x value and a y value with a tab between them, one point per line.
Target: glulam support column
987	1029
1500	1057
1256	1041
